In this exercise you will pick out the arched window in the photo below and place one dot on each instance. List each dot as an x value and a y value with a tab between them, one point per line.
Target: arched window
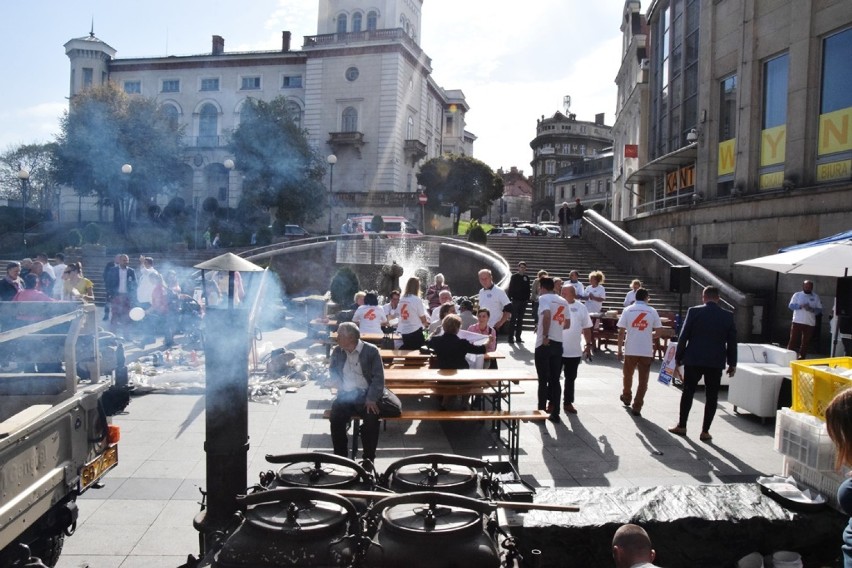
372	20
172	115
341	24
295	112
208	125
409	133
350	120
356	22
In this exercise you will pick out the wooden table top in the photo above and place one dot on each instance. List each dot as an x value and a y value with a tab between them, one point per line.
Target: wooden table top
457	375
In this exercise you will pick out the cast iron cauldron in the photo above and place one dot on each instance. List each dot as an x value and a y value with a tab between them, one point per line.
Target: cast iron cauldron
292	527
447	473
428	529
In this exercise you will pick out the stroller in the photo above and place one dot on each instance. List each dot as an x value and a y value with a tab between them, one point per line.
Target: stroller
191	322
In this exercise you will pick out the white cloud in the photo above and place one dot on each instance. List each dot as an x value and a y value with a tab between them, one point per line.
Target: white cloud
29	125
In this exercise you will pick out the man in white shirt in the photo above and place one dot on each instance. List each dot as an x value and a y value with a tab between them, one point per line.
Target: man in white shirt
572	350
145	291
59	268
42	258
806	306
631	548
495	299
392	307
553	319
636	348
444	297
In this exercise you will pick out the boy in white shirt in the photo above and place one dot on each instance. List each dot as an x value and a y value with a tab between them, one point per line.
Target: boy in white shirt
636	348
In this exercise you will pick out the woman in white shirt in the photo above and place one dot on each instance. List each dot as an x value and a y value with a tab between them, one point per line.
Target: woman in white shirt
369	317
412	316
595	293
630	298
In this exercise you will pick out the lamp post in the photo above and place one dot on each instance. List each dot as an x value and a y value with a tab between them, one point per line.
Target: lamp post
124	201
229	165
331	159
24	176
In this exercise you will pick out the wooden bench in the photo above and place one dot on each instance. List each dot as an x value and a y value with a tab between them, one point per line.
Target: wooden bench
510	418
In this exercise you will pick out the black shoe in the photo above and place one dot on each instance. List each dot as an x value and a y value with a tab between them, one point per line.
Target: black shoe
519	340
368	466
555	418
511	342
636	412
624	402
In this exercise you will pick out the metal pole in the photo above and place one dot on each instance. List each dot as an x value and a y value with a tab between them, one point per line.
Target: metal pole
330	193
24	183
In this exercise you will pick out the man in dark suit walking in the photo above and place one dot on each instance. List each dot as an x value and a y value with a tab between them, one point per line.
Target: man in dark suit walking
707	342
120	283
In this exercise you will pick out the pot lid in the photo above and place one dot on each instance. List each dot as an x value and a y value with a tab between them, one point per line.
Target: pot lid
449	478
438	519
303	517
320	476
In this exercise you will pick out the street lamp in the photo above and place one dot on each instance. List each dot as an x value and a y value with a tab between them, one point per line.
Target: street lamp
229	165
24	176
124	200
332	159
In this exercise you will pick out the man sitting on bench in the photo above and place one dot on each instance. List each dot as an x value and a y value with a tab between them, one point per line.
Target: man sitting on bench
356	371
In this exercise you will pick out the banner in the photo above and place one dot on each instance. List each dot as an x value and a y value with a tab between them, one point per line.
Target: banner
667	367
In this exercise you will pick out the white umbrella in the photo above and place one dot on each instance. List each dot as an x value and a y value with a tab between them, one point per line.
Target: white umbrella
829	259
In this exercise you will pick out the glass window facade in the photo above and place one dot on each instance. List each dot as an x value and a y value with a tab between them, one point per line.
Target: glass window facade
773	133
834	144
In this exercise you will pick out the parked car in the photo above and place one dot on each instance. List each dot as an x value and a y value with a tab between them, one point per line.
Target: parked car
553	229
503	232
535	230
395	225
295	232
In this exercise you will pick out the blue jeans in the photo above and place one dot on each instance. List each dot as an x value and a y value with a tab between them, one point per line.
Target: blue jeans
576	225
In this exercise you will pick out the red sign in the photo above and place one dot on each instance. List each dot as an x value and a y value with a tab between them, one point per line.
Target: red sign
422	199
631	150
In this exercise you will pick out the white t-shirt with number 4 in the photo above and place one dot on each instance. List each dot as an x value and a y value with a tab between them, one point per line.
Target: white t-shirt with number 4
410	311
558	308
369	318
639	322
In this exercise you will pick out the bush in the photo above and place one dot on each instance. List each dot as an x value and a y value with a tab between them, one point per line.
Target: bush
75	238
343	286
477	235
91	234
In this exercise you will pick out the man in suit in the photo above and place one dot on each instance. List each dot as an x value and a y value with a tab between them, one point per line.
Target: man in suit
707	341
356	371
120	283
520	287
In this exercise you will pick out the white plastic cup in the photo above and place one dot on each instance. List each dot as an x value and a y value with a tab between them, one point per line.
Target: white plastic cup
753	560
786	559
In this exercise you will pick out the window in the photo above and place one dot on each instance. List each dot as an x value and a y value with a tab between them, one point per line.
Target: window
292	82
834	146
562	192
548	188
208	125
773	135
573	190
352	74
133	87
727	135
341	24
586	192
211	84
350	120
356	22
717	252
88	77
250	83
295	112
172	115
170	86
409	132
550	167
372	19
449	125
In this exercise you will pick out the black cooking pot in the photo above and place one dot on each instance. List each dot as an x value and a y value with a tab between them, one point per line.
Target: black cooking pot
447	473
428	529
292	527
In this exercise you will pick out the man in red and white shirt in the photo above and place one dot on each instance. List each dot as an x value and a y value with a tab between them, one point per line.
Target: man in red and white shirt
553	318
636	347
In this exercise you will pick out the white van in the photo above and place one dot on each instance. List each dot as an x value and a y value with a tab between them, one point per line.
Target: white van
395	225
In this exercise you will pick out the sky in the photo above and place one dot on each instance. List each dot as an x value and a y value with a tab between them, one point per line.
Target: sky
514	61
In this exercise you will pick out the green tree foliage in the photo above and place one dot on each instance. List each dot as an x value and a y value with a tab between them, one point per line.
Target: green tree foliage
281	171
92	234
344	285
476	234
37	159
462	180
104	129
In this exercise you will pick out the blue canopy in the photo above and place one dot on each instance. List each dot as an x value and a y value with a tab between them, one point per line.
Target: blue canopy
845	236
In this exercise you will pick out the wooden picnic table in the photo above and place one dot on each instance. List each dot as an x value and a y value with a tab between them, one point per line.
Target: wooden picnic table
417	356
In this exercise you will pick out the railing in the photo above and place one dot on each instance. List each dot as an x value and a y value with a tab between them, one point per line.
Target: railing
391	34
656	257
208	141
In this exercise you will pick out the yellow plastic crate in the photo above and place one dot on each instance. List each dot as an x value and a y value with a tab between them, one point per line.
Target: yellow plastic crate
814	387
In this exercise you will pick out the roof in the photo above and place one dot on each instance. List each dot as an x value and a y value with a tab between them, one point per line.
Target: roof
664	164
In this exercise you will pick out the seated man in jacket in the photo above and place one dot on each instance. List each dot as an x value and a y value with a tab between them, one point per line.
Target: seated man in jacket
357	373
449	348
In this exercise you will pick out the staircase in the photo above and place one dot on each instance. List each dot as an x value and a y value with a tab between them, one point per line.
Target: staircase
560	256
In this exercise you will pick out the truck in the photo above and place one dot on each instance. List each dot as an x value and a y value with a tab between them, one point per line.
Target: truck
56	436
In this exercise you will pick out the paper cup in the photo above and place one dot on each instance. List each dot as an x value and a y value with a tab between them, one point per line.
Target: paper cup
137	313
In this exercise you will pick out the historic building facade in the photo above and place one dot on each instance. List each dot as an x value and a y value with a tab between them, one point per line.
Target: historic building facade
590	181
362	88
748	146
560	142
516	203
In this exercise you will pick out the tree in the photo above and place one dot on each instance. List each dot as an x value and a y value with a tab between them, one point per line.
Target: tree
104	129
462	181
37	160
281	171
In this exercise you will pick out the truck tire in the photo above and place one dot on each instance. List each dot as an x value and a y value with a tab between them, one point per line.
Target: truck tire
48	548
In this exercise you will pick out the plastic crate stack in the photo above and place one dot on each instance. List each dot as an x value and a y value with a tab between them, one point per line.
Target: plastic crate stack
800	432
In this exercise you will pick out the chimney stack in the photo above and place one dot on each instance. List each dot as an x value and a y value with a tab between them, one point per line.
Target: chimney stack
218	45
599	119
285	41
